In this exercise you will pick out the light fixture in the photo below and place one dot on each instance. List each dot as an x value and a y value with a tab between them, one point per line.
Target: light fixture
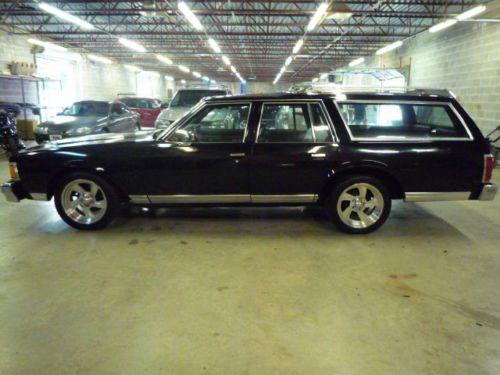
66	16
442	26
298	46
213	81
183	68
132	45
151	73
315	79
233	69
288	61
340	12
191	17
100	59
132	68
213	44
356	62
169	78
183	81
164	59
226	60
471	13
47	45
316	18
390	47
205	78
282	70
197	75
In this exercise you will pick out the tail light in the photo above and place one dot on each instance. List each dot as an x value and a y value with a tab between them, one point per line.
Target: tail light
488	168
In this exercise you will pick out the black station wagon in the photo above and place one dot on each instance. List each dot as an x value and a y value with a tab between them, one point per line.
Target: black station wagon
351	153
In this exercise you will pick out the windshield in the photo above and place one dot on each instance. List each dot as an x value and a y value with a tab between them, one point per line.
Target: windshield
87	109
139	103
188	98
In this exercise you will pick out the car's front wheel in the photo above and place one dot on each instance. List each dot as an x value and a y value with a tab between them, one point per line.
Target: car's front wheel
359	204
86	201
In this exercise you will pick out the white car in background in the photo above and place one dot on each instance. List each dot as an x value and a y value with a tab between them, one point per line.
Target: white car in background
183	101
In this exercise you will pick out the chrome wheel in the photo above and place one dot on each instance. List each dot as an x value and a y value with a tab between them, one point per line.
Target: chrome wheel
84	201
360	205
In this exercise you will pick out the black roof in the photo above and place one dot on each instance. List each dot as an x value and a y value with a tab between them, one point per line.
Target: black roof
424	95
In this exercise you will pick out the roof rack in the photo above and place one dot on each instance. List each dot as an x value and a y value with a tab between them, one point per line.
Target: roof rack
336	89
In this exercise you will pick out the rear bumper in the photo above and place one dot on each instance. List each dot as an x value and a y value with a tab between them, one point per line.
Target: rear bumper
13	191
488	192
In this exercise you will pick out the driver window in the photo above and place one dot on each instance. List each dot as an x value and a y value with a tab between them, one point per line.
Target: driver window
215	124
116	109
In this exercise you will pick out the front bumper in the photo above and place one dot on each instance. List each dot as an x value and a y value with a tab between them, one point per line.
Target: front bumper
13	191
488	192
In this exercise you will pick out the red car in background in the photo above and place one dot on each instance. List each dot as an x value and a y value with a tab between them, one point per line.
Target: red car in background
148	109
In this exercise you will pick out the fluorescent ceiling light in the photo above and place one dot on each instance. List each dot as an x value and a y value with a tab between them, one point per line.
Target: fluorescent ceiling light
442	26
298	46
152	73
213	81
47	45
359	61
168	78
132	45
226	60
205	78
132	68
288	61
197	75
315	79
233	69
316	18
213	44
471	13
282	70
185	69
100	59
188	13
66	16
183	81
164	59
390	47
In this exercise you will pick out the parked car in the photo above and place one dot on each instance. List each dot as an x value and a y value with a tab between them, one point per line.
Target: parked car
182	102
351	153
88	117
147	108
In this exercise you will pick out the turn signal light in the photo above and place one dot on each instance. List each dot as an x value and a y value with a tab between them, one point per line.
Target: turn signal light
488	168
13	171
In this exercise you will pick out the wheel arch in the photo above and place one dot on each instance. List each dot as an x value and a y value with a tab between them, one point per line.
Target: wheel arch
378	171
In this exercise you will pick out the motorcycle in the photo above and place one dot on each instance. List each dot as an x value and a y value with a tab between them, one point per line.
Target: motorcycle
9	138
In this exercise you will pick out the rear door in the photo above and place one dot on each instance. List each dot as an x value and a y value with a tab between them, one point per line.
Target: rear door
293	153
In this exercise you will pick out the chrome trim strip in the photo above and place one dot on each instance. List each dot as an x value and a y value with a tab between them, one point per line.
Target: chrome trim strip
200	199
39	196
437	196
414	139
299	101
294	198
139	199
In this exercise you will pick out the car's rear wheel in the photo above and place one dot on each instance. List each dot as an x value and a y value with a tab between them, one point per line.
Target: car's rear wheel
86	201
359	204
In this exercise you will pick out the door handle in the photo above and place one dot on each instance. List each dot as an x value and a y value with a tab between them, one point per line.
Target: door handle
318	156
237	155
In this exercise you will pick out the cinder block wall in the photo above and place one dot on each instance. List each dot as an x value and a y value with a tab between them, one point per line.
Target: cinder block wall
464	59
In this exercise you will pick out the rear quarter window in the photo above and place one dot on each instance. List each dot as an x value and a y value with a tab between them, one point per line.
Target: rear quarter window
400	121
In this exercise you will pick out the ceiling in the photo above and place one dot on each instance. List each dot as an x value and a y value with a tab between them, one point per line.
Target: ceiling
257	36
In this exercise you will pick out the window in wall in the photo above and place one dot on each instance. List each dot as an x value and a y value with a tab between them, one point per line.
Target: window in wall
401	121
215	124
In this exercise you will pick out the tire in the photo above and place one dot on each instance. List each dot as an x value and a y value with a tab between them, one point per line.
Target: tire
86	201
359	204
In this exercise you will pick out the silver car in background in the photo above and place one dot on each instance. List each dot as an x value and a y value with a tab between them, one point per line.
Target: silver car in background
88	117
182	102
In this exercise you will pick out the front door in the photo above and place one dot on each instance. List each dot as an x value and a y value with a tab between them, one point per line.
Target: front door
205	160
293	153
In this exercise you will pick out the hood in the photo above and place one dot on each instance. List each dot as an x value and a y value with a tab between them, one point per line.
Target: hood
173	113
63	123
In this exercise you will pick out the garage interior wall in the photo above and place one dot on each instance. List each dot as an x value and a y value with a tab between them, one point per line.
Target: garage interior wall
464	59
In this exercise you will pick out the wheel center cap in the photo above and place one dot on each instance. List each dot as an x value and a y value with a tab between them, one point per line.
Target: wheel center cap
358	204
87	199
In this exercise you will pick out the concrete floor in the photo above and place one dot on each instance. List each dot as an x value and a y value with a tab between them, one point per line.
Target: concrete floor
254	291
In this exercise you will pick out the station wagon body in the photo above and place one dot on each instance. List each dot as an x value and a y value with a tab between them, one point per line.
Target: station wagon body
350	152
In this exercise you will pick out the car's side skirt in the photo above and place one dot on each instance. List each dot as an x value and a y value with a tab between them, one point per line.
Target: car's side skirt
437	196
224	199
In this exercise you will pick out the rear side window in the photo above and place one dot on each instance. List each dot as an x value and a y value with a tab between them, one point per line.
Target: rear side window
293	123
401	121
